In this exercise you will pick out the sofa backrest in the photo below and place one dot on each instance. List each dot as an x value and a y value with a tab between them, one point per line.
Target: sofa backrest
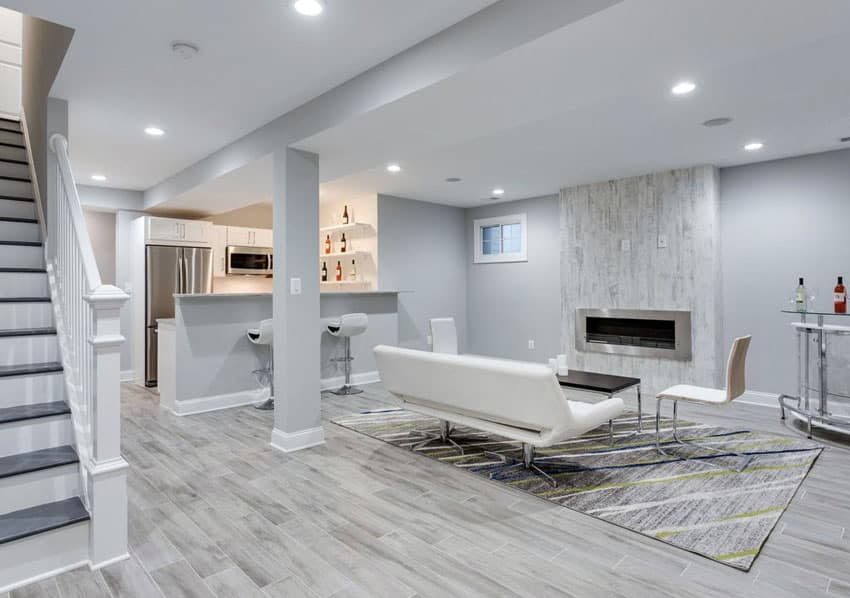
513	393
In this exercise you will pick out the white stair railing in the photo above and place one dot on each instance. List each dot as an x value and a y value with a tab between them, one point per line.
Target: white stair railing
87	315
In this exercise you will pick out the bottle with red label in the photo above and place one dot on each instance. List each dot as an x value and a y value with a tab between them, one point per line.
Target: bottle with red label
338	272
840	297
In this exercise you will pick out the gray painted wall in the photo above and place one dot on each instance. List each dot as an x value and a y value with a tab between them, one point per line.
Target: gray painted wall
101	227
422	248
510	304
781	220
683	206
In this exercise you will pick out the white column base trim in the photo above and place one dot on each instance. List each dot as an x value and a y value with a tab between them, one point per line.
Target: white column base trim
289	442
356	379
118	559
216	402
128	375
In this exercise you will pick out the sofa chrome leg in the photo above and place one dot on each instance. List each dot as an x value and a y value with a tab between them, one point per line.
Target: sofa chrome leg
446	436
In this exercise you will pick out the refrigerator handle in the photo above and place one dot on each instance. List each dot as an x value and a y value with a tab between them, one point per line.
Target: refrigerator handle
179	279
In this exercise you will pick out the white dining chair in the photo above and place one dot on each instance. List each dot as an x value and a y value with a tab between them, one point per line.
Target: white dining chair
735	387
443	335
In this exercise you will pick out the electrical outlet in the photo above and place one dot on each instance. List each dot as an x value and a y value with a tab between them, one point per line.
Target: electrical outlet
625	245
531	344
294	286
662	242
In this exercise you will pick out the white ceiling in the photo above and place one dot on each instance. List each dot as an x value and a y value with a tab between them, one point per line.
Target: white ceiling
258	60
591	102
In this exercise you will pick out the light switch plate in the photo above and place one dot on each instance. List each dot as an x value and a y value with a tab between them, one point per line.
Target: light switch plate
531	344
294	286
625	245
662	242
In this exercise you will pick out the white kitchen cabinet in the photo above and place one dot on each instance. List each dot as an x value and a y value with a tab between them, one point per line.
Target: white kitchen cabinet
181	232
249	237
219	251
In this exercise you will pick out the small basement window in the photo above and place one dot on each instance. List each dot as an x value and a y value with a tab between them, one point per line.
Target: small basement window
500	239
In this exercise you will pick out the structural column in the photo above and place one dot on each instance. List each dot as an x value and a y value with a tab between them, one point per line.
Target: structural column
297	418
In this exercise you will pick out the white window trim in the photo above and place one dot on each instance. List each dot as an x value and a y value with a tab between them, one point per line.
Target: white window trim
481	223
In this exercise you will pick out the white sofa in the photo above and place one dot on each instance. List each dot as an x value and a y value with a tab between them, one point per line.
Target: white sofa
518	400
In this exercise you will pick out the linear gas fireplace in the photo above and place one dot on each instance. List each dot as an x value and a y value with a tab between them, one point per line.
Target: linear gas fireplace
641	332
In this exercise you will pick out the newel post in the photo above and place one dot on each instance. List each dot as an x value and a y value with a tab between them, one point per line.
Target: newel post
107	469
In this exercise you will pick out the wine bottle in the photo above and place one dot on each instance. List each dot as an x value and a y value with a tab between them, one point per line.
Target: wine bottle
353	274
338	272
800	297
328	244
324	272
343	244
345	215
840	297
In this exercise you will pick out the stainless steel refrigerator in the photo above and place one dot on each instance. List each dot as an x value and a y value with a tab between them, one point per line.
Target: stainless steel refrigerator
170	270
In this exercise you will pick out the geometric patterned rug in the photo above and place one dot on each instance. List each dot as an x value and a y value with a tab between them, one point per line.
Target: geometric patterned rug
713	511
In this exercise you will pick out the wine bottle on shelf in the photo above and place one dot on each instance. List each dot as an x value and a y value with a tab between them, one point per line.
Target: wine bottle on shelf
353	274
338	272
840	297
800	297
343	244
345	215
324	272
328	244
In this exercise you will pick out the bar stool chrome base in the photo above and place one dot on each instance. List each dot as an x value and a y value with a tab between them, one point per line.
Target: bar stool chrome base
347	389
347	326
267	405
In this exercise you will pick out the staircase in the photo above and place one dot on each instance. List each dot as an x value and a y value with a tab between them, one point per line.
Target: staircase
46	491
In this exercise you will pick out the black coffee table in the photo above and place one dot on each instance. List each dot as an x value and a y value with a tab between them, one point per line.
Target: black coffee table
605	384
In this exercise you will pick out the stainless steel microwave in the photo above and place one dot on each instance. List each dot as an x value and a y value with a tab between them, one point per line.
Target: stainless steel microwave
249	260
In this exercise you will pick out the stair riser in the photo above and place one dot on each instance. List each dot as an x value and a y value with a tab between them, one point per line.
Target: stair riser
25	315
17	350
11	137
10	208
19	231
12	125
16	170
12	153
15	188
23	284
28	390
39	487
21	256
37	557
35	434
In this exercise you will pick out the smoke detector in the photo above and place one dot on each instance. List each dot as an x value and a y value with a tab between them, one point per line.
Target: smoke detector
184	50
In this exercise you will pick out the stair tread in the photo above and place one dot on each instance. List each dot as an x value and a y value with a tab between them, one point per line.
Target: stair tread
15	131
16	198
25	300
42	331
37	460
23	243
20	413
20	179
43	518
17	145
24	270
23	369
10	161
16	121
23	220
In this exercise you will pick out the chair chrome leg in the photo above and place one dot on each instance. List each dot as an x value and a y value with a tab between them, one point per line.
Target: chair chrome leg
347	388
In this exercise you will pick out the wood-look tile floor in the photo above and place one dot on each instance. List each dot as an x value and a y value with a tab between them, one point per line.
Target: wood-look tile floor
215	512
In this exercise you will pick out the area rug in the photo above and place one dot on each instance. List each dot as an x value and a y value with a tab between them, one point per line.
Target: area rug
716	512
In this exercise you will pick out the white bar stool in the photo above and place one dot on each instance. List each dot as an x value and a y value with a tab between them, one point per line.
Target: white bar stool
264	335
347	326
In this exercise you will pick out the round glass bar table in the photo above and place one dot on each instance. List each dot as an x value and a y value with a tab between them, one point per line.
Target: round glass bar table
812	405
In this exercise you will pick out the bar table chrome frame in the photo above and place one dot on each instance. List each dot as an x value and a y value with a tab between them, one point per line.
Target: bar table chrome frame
814	413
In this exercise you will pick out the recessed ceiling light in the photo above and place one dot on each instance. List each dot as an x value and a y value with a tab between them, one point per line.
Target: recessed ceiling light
717	122
98	177
154	131
754	146
310	8
184	50
394	168
683	88
498	191
453	179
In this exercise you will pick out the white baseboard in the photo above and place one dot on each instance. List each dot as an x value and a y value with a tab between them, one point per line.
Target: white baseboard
118	559
128	375
762	399
337	381
216	402
289	442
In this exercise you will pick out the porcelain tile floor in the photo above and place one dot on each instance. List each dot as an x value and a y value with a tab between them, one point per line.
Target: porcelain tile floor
215	512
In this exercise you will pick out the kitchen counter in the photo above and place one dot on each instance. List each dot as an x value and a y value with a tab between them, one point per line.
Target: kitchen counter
211	361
